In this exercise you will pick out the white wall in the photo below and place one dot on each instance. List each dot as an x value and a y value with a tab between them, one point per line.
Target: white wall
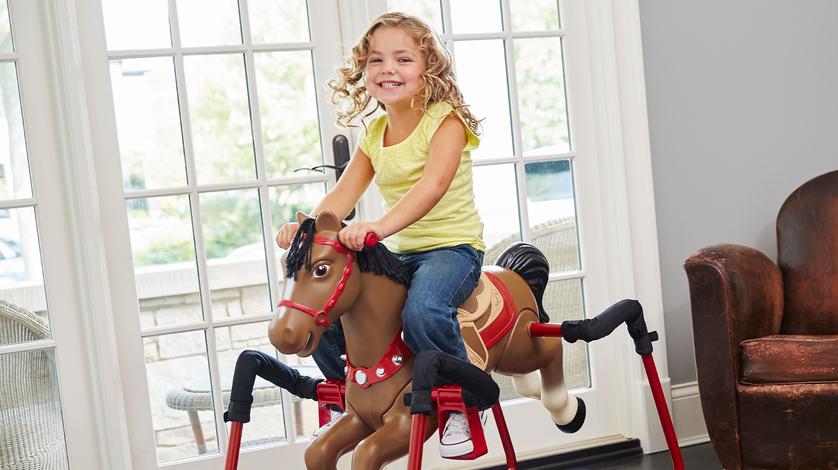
743	108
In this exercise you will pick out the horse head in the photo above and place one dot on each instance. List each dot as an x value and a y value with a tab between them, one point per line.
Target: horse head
319	287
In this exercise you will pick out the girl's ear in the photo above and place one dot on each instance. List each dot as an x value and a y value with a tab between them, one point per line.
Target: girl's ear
327	221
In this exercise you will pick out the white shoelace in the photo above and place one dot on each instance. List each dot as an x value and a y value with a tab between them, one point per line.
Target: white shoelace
457	424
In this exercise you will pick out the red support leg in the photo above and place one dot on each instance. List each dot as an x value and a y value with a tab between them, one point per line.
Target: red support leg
234	445
663	412
511	461
417	441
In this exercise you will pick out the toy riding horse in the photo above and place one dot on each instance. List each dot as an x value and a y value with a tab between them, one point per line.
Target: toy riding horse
361	289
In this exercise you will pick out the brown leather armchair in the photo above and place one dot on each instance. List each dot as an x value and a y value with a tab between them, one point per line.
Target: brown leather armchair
766	339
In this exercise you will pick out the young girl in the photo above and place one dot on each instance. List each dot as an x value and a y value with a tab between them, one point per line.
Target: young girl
419	155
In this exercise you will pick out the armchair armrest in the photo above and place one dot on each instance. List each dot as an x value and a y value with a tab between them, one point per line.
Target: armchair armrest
736	293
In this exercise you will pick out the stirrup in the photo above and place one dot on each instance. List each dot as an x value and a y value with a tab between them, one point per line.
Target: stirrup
330	392
449	398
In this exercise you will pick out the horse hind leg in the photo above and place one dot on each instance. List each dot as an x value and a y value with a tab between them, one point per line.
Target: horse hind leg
528	385
567	411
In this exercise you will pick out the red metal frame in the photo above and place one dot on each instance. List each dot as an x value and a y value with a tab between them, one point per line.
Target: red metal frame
663	412
449	398
234	445
330	392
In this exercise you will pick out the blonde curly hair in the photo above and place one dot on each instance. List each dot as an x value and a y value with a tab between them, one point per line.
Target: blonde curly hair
349	92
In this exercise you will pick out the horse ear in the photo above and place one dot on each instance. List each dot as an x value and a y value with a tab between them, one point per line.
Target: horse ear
327	221
302	216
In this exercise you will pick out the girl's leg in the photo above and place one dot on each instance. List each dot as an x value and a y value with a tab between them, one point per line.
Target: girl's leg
329	351
442	280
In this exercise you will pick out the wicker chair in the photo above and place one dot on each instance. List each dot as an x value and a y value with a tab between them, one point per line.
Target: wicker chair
558	241
31	428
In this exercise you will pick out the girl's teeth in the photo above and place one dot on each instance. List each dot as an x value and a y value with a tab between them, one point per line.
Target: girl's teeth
390	85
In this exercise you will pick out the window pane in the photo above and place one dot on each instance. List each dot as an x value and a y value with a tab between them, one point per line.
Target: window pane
497	203
14	166
534	15
290	139
31	424
21	276
235	251
285	202
180	395
541	96
481	74
148	123
208	22
427	10
475	16
164	260
220	115
5	29
130	24
552	213
273	22
266	424
563	300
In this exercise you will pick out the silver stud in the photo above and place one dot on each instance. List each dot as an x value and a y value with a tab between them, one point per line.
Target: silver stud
343	357
345	370
360	377
379	372
397	359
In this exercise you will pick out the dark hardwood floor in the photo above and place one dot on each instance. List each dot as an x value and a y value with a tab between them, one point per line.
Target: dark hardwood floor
697	457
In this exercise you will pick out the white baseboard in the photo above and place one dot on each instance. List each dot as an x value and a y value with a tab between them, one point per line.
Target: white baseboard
686	412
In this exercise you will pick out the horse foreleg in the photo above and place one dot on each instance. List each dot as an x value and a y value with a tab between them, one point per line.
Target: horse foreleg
567	412
388	443
324	451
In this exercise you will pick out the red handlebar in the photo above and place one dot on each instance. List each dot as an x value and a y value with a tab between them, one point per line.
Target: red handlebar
370	240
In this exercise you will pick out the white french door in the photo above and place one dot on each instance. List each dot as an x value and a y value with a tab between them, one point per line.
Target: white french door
209	115
49	400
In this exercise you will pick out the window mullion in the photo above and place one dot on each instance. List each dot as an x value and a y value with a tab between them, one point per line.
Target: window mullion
197	229
517	141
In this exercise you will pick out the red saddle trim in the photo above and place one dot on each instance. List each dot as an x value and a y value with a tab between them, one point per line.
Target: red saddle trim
390	363
493	332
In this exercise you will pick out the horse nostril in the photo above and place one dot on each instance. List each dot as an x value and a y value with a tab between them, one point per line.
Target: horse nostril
285	339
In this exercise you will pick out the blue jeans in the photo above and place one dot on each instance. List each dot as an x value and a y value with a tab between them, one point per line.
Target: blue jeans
440	281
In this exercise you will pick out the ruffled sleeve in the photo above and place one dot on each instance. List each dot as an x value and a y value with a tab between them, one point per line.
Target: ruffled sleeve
437	113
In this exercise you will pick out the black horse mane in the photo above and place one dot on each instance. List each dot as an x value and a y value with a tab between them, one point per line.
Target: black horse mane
377	259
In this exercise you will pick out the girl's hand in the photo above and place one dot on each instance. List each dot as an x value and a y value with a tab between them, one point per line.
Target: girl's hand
352	236
286	234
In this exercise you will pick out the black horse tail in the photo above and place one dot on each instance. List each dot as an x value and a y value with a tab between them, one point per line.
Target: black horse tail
530	263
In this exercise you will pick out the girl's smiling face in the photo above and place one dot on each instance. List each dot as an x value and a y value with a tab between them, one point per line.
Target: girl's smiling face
394	67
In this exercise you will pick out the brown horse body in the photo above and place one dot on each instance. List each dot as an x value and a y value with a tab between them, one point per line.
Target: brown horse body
377	424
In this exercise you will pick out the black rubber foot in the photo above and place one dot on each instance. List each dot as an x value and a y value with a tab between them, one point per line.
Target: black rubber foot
578	420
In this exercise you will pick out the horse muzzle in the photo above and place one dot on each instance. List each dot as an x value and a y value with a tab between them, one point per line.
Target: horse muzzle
289	338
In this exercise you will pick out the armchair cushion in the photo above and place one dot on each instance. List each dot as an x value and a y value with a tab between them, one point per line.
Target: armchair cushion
785	359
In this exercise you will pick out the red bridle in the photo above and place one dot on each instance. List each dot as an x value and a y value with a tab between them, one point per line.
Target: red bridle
321	317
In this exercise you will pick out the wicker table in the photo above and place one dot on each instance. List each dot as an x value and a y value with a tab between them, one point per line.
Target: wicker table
196	396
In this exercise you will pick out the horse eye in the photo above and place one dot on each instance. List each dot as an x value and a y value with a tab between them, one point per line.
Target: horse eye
321	270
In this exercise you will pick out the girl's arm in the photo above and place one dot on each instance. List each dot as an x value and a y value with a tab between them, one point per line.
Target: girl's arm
444	156
349	188
341	199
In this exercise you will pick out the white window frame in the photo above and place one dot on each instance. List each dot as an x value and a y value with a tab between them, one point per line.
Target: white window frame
105	276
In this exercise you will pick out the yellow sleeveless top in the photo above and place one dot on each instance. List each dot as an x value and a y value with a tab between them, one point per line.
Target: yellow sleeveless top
454	220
